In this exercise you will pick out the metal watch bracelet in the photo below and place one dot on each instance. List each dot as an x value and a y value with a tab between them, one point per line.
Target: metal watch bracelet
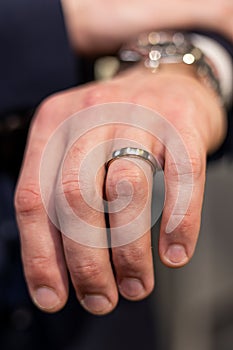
158	48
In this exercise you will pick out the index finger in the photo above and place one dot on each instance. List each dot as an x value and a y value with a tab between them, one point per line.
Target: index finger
42	252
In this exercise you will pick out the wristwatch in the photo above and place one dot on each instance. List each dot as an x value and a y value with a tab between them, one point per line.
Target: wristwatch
157	48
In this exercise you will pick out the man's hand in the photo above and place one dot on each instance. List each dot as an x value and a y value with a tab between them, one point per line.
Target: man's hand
193	110
102	25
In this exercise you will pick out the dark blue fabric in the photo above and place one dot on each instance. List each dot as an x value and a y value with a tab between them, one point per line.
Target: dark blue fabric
35	57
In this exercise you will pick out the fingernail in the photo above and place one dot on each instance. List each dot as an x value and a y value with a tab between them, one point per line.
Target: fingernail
132	287
96	303
176	254
46	298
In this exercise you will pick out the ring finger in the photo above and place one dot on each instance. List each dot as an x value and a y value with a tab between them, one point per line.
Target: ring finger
128	190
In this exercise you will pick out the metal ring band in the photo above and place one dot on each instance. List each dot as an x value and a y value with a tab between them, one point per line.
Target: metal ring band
134	153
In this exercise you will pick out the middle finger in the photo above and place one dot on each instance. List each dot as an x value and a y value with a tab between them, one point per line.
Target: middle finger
84	234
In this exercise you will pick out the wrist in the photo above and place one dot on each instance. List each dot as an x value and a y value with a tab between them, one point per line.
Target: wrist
84	28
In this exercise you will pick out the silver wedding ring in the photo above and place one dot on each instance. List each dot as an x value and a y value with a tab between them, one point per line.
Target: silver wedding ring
132	152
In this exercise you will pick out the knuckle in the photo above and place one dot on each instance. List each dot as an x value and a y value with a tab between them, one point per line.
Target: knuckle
74	180
171	168
88	273
192	166
197	166
128	181
130	258
28	200
38	268
74	189
187	226
82	197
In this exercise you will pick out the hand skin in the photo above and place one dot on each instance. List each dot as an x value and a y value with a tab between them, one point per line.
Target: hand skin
101	26
194	111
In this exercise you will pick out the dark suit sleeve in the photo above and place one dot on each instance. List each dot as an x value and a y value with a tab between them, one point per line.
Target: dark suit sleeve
35	57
